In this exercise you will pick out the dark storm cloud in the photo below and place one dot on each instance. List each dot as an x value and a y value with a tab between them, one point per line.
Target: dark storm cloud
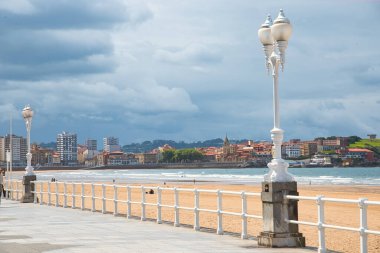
63	14
61	38
41	47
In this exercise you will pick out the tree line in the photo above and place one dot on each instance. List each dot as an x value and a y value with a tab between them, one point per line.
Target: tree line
181	155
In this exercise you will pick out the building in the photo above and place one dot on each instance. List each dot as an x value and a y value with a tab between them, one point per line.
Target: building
372	136
332	144
146	158
292	150
120	158
91	144
229	152
360	153
19	149
67	148
41	156
111	144
308	148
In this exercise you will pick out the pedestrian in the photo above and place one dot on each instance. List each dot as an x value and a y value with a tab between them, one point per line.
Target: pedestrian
2	190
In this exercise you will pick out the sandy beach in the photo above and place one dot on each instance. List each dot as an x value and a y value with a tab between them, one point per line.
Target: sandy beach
335	213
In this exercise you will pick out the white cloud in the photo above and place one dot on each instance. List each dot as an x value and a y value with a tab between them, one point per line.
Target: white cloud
194	53
17	6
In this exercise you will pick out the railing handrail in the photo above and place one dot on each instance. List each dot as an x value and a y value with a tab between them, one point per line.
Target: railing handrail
321	225
319	200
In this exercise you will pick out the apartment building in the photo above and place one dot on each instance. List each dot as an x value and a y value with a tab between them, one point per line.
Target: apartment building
19	149
67	147
111	144
91	144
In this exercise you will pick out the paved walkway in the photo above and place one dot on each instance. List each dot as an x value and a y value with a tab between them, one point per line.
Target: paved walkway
30	228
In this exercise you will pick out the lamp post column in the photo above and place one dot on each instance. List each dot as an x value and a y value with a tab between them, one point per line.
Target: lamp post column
278	183
28	195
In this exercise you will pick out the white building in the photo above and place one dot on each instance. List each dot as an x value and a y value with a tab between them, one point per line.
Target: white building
67	148
18	152
293	150
111	144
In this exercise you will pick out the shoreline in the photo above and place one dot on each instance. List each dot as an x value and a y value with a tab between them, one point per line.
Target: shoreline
190	181
211	165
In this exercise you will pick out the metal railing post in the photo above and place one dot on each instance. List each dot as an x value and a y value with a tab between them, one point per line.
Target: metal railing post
321	220
176	209
82	196
196	210
159	208
35	192
11	189
243	216
363	225
10	193
92	197
41	196
73	195
129	205
143	218
219	230
64	195
56	194
103	198
49	193
114	200
6	189
16	190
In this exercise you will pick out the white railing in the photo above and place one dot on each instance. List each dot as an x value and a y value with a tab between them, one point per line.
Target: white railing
13	189
321	225
42	197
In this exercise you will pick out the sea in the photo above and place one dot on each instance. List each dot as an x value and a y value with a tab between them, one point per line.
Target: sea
314	176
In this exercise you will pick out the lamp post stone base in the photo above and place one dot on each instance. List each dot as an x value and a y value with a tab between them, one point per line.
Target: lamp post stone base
28	196
278	233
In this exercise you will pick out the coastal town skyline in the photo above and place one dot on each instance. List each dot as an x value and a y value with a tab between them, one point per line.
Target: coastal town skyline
144	70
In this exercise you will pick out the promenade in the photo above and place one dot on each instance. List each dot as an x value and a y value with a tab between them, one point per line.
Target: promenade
30	228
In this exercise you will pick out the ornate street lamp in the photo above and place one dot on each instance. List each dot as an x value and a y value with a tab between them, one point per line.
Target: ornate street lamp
274	38
278	183
27	114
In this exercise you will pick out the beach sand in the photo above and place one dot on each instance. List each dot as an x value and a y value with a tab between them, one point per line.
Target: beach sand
335	213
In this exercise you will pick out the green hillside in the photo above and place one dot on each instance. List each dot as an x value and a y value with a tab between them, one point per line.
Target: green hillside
364	143
373	145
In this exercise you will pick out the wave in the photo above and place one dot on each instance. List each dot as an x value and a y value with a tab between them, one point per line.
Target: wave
354	176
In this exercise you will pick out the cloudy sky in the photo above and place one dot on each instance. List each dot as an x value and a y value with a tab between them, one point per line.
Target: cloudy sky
186	70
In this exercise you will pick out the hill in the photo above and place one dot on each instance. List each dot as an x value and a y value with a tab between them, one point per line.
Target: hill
373	145
147	146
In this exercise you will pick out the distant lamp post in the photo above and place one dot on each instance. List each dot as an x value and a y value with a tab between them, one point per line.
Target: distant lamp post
278	183
274	38
27	114
29	177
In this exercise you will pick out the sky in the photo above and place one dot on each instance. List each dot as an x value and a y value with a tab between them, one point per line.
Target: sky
187	70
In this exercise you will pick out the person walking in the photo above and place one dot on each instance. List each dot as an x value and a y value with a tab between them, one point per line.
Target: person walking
2	190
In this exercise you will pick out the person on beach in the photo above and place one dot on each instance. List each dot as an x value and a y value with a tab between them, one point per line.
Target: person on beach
2	190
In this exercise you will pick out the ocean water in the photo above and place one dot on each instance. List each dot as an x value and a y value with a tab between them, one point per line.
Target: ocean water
321	176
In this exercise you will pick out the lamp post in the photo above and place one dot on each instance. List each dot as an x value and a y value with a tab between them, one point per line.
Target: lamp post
28	196
27	114
278	183
275	41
